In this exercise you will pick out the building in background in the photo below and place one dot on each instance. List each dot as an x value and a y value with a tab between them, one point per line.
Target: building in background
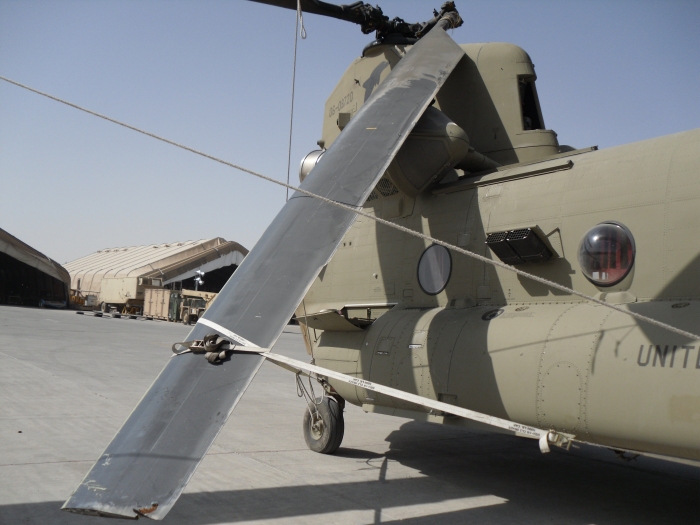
30	278
118	277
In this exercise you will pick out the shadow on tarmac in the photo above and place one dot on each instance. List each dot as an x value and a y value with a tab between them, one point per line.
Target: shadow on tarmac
588	485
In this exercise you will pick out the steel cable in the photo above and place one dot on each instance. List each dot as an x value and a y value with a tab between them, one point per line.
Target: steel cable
299	20
358	211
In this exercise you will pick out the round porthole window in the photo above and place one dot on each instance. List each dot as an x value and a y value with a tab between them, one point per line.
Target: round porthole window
434	269
606	253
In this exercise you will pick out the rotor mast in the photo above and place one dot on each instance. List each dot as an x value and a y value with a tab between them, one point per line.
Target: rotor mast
372	18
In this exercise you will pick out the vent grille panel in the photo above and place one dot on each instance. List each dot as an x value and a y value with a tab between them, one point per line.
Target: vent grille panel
518	246
386	187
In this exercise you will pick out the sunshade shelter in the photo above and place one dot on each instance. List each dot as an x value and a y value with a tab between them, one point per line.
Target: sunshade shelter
118	275
28	277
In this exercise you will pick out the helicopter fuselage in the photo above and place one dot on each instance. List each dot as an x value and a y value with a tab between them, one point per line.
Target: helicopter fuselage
493	341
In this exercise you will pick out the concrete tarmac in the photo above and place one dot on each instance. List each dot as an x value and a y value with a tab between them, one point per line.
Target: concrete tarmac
67	382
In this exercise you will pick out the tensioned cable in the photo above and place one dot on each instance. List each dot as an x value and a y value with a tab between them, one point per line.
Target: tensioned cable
300	20
358	211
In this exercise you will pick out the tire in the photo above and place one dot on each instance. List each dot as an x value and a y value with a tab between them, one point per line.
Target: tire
327	435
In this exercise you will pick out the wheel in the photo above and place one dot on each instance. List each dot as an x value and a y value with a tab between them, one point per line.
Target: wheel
324	431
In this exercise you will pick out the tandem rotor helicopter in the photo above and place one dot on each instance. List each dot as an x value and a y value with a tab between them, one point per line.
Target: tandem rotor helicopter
448	261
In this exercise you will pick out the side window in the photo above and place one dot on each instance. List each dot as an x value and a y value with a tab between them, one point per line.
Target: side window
532	117
606	253
434	269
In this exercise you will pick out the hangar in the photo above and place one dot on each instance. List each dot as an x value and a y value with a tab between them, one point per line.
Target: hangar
28	277
120	276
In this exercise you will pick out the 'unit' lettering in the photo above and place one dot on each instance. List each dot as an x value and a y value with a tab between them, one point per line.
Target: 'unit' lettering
660	356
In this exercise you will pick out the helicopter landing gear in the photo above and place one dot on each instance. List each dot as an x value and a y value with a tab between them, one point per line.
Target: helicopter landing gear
323	419
324	426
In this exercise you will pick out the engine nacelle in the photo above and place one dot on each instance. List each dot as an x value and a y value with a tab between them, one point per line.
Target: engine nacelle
435	146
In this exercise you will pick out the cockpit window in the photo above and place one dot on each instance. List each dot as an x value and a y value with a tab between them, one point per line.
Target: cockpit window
528	103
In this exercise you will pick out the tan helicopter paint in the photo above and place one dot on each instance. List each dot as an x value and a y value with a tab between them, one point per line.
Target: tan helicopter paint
548	360
481	96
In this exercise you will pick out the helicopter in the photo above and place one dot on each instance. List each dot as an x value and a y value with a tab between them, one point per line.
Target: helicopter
449	261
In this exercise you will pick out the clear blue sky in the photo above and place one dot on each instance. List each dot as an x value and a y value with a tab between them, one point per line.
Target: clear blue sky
216	75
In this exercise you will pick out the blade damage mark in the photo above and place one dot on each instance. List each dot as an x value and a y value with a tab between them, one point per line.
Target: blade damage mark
145	511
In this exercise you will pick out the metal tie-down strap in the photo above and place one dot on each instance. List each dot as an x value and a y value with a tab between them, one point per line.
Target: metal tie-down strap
215	348
545	437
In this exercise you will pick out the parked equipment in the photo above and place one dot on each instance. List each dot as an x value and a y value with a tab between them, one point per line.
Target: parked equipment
156	303
194	304
176	305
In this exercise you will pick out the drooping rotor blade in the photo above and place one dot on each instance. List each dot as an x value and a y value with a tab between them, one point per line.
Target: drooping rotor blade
150	460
